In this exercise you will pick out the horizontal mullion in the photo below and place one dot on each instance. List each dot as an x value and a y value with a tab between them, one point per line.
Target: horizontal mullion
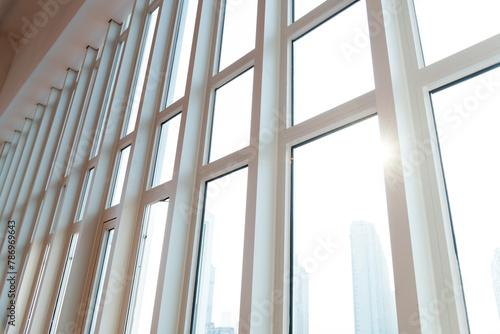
344	114
226	164
460	64
162	191
171	110
232	70
111	213
126	141
315	17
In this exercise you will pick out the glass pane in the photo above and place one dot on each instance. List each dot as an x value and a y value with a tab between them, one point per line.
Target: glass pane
57	212
64	283
302	7
467	118
141	72
231	116
107	102
85	195
332	64
119	178
238	32
342	266
37	288
217	308
147	268
182	55
166	150
449	26
99	283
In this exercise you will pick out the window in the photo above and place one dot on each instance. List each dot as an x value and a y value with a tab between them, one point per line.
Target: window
84	196
326	70
166	150
57	211
142	67
37	288
238	31
341	256
442	29
63	284
231	116
147	268
107	101
466	115
182	53
218	292
119	177
97	293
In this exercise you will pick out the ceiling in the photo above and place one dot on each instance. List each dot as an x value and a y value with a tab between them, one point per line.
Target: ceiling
54	35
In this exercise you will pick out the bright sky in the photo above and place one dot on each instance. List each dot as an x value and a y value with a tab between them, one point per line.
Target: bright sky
468	116
448	26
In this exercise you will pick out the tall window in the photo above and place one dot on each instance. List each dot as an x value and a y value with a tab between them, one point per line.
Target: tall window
341	279
147	268
37	288
466	116
63	284
96	302
182	53
217	306
96	144
142	66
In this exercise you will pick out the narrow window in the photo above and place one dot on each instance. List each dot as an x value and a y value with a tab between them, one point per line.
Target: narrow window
238	32
341	264
182	53
63	284
119	177
330	67
85	194
147	268
107	101
217	300
37	288
166	150
96	303
467	118
231	116
443	32
138	88
57	211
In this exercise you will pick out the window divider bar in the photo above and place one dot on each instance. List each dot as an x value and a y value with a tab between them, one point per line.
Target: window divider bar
314	18
233	70
344	114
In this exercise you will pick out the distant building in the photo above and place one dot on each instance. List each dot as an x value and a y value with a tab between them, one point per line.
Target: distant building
300	299
495	277
374	303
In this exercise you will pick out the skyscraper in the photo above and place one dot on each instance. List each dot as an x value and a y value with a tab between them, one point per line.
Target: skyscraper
300	299
374	304
495	277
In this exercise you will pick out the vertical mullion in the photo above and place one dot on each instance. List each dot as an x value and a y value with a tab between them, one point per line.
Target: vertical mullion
401	243
253	171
